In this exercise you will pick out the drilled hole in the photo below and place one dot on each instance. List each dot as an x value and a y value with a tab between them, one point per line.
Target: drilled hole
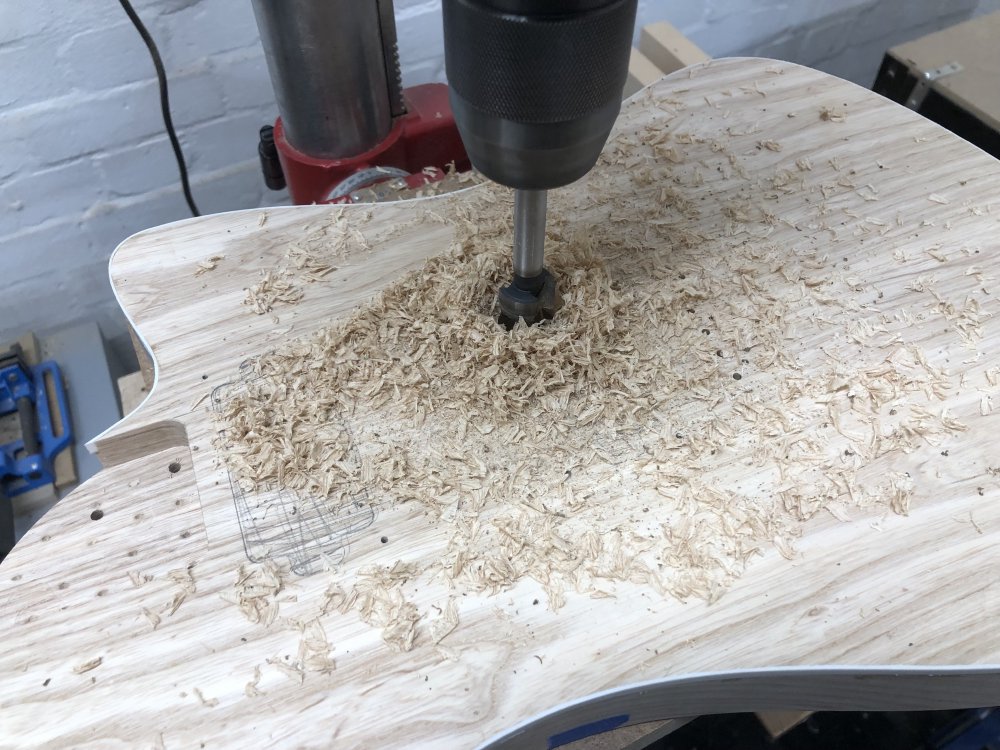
384	540
174	467
97	515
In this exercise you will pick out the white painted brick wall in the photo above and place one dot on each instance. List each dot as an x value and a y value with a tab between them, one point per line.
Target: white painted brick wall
85	162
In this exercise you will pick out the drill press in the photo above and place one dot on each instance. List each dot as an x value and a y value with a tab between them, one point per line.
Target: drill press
536	86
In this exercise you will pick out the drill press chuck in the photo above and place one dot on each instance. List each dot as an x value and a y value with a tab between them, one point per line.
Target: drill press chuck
536	85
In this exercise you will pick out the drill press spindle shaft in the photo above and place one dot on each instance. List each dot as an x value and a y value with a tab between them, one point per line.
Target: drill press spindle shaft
529	232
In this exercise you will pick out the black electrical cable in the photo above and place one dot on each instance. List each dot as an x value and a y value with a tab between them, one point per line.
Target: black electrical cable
168	122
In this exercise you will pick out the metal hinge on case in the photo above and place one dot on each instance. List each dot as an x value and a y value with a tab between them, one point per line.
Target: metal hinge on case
924	80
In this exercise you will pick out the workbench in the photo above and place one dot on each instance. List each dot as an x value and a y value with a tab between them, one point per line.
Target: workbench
822	263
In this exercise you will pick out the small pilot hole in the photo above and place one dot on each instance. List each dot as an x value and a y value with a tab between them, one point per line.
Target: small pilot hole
384	540
97	515
174	467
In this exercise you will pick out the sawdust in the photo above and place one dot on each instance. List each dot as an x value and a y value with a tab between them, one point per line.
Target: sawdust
669	425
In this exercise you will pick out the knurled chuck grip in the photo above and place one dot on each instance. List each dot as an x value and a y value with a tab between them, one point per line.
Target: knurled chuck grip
536	85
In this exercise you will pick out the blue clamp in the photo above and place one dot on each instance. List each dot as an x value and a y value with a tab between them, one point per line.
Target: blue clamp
26	463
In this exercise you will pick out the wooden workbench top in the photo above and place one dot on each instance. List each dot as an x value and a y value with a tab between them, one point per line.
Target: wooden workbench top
800	512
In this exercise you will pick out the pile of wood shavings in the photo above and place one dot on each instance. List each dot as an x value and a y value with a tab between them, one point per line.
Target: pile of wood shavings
600	447
272	289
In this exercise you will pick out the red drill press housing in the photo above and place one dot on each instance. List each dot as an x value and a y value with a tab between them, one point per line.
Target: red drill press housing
425	136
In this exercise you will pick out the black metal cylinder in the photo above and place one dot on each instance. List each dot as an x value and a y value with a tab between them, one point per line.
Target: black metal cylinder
270	164
536	86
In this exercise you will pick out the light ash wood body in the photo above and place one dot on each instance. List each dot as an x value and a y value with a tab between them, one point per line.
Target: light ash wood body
861	618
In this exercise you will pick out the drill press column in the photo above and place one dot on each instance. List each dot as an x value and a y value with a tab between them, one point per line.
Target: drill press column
335	72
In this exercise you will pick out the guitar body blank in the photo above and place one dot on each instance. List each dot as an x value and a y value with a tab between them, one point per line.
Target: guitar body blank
122	622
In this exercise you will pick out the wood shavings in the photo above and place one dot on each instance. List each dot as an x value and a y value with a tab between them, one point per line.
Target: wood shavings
204	266
446	623
250	689
829	114
138	579
272	289
935	198
206	702
255	591
89	665
315	267
771	145
183	578
314	649
380	603
154	619
293	672
900	494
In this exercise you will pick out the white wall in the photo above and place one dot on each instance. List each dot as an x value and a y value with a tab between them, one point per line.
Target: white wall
84	161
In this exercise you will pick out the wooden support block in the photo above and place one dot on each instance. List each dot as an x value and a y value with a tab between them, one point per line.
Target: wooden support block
668	49
132	391
145	360
778	722
641	73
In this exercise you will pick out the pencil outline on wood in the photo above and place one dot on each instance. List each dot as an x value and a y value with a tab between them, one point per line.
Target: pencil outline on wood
307	532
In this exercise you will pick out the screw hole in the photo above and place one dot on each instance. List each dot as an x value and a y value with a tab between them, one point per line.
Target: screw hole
204	377
384	540
174	467
97	515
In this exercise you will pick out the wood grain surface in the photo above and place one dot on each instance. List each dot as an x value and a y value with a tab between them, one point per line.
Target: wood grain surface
117	607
